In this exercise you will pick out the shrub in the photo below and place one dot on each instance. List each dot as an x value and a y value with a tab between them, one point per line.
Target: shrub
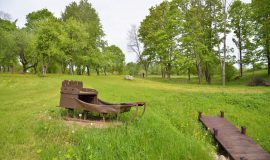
257	82
230	71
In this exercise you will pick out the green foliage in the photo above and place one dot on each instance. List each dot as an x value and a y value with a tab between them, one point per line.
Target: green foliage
113	59
73	43
6	25
160	36
241	25
132	68
7	55
36	17
180	35
47	42
83	12
261	18
230	71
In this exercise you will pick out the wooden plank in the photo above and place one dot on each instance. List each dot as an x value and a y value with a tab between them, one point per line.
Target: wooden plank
233	141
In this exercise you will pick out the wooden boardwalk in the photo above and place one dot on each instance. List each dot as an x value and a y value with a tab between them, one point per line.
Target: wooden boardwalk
232	140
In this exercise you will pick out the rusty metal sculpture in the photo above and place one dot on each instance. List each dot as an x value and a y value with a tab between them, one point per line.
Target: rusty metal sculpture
74	96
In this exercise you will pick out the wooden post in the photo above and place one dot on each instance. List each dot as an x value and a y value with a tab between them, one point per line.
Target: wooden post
103	117
222	114
84	115
243	130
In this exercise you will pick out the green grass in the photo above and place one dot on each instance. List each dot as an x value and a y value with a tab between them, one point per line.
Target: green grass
31	126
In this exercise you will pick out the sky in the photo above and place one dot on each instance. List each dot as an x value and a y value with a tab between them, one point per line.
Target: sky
116	16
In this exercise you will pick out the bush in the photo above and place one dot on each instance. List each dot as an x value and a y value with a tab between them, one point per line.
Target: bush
257	82
230	71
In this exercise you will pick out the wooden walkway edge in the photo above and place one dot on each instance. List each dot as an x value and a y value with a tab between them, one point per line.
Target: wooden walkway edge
232	140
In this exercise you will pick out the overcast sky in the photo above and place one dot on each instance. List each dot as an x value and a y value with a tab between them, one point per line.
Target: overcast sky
116	16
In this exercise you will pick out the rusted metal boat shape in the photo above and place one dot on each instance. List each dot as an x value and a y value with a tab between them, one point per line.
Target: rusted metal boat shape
74	96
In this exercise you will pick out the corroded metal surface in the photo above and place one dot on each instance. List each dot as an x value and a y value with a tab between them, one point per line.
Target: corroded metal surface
232	140
74	96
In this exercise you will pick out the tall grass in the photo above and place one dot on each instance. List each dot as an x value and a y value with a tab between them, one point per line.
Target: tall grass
31	126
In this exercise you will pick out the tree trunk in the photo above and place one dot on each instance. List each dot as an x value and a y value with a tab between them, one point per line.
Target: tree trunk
63	67
97	70
23	61
105	71
224	45
44	70
268	61
163	73
35	69
169	70
199	71
188	74
268	56
218	45
12	68
146	68
24	69
71	69
241	64
207	74
88	70
240	55
79	70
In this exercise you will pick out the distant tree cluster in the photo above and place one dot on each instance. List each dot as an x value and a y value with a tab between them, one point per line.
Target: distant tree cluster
189	36
71	44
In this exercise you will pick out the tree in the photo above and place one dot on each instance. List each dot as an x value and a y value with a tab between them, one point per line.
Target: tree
43	25
7	55
135	46
72	44
262	18
159	33
239	15
24	48
192	46
34	18
225	27
47	42
132	68
84	13
112	59
200	37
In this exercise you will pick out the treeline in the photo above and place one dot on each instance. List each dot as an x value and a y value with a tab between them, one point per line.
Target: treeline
187	36
71	44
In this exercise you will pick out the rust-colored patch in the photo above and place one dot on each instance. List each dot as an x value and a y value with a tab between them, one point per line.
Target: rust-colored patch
74	96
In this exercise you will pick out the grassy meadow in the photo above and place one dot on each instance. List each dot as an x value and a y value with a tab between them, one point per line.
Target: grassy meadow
31	126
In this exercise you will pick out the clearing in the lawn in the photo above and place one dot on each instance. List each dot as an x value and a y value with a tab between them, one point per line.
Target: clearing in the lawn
32	127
